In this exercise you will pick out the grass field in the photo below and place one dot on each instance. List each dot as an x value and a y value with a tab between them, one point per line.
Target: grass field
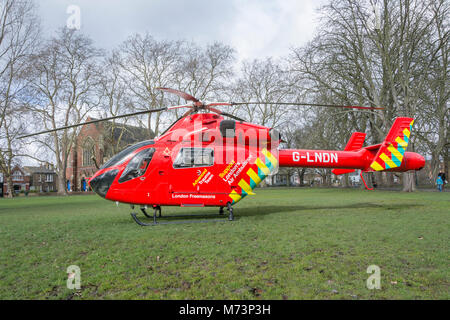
284	244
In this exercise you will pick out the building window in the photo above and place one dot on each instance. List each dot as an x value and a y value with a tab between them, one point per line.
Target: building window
49	178
88	152
17	176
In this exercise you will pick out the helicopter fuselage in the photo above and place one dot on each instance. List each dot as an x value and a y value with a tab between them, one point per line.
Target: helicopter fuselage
204	160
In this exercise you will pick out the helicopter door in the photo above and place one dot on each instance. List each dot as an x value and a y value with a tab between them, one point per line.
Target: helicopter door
138	175
194	165
162	188
154	188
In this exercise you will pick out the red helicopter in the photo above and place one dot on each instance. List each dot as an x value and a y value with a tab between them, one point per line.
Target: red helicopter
205	160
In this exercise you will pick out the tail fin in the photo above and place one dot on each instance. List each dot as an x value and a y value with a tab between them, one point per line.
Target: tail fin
355	143
391	152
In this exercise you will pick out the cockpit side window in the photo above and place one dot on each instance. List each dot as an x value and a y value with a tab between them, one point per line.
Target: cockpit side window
194	157
122	155
138	165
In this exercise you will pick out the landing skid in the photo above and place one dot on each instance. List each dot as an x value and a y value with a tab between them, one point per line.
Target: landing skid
143	209
158	209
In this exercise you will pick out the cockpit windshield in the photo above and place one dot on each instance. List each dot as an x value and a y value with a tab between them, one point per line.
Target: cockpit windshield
122	155
137	165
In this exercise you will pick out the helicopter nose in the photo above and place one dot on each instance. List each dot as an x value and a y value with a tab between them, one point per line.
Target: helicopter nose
101	183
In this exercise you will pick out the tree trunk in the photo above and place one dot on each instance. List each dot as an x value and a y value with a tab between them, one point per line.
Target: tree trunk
435	167
409	183
344	180
389	179
10	185
301	176
327	179
62	187
446	163
384	179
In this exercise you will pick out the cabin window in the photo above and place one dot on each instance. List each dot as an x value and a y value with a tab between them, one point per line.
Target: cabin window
194	157
138	165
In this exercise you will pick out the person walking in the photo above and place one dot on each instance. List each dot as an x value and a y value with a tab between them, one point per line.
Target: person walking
444	180
439	183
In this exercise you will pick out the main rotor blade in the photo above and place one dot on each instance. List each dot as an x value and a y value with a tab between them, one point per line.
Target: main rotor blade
181	94
214	104
93	121
308	105
180	106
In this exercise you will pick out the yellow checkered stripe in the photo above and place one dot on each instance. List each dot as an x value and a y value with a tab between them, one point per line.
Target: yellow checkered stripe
384	162
265	167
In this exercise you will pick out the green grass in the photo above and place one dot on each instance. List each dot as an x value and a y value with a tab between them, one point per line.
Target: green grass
285	244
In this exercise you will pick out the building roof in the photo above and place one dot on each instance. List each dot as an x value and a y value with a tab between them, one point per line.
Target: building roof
127	133
42	169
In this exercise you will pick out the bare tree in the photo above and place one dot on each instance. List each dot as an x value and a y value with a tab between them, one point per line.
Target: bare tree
204	72
148	64
263	81
65	86
382	65
434	113
115	100
19	30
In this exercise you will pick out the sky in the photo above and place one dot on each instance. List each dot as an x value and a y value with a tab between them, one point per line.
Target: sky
255	28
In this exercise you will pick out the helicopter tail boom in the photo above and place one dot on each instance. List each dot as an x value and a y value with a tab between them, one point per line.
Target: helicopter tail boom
344	161
389	155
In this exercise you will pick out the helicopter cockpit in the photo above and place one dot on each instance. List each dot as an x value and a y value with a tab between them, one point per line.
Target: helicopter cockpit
136	167
124	154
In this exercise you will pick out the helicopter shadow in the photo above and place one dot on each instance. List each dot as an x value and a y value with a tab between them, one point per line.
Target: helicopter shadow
212	216
266	210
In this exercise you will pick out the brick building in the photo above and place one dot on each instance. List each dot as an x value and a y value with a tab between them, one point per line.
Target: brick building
95	144
42	178
20	180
